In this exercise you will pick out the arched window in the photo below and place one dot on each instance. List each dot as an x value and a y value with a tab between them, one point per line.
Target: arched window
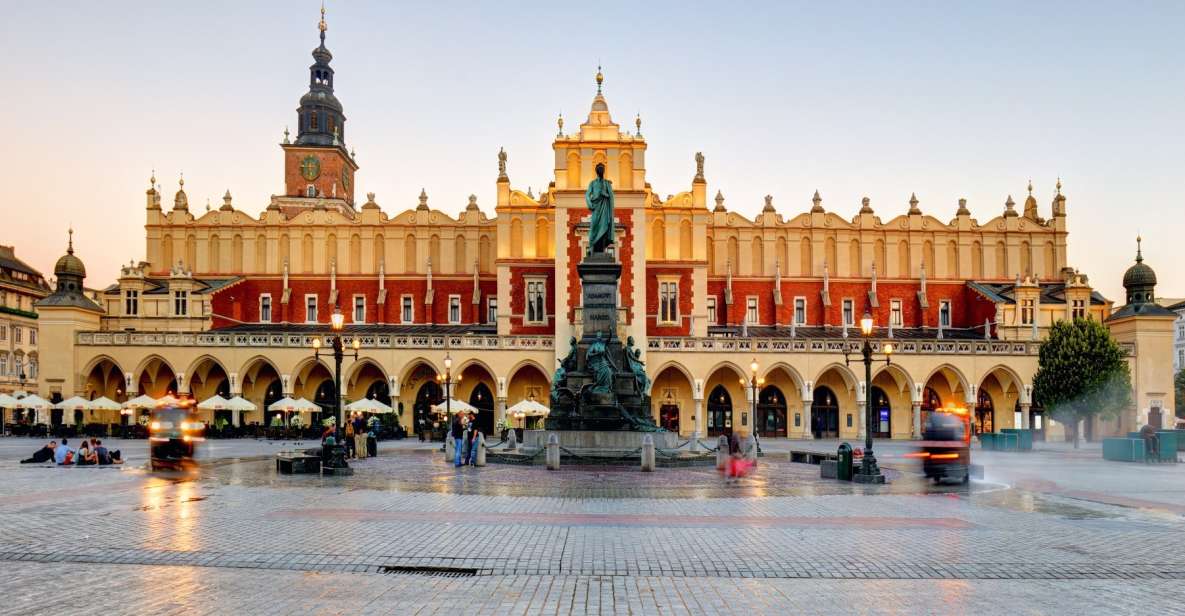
380	253
486	254
355	266
306	254
191	252
832	255
1050	260
658	240
625	171
573	169
1001	260
686	248
783	254
312	120
854	258
734	254
542	238
806	261
952	260
928	258
1026	259
236	254
166	251
409	253
976	260
903	259
460	261
516	237
758	256
880	258
331	253
285	252
434	253
261	264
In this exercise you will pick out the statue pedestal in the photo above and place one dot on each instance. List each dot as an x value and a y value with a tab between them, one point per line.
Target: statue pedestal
599	274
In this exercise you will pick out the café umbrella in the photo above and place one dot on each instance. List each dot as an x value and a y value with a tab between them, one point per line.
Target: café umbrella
454	406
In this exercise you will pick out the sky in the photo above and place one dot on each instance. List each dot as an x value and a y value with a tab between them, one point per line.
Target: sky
882	99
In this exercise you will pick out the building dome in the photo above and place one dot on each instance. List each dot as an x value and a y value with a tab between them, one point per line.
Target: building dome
1139	281
69	264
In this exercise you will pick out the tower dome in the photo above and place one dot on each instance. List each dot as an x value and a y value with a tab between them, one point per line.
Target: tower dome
69	265
1140	279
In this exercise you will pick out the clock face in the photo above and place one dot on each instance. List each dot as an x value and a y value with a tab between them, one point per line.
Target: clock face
310	167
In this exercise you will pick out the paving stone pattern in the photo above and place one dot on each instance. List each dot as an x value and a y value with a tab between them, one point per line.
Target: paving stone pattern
232	537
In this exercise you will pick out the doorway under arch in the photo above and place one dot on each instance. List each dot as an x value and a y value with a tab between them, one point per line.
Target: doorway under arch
882	414
771	412
429	394
719	412
825	413
985	414
482	399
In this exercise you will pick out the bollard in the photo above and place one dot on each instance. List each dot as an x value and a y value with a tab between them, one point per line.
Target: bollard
695	441
722	453
449	448
648	454
553	452
751	449
512	443
481	449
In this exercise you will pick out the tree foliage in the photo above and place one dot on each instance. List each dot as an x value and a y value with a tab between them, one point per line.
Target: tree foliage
1179	387
1082	372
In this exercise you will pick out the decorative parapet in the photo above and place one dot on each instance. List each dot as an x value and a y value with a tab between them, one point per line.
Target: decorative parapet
281	340
831	345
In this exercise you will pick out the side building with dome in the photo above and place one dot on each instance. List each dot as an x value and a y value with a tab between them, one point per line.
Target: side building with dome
226	301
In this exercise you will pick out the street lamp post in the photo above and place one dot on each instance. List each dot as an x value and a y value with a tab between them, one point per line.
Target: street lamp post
870	472
754	384
338	353
446	380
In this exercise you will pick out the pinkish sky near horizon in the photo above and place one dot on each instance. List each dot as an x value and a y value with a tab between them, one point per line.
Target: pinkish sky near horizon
854	100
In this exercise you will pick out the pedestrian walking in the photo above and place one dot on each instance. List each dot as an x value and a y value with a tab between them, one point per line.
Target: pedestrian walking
474	438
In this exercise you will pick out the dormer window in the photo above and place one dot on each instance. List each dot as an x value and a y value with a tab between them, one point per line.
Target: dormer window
329	122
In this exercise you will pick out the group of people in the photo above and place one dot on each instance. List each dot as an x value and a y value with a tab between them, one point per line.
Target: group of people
355	438
466	439
90	452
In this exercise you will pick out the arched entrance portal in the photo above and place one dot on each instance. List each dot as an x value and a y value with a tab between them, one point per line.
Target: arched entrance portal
719	412
428	395
825	413
771	412
930	401
882	414
985	413
483	399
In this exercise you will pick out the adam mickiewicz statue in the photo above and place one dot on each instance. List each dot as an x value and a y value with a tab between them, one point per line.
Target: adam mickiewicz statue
599	199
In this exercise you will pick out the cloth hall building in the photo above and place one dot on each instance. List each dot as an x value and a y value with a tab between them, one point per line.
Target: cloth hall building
228	302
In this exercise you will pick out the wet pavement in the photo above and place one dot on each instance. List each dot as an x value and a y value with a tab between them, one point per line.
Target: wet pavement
410	532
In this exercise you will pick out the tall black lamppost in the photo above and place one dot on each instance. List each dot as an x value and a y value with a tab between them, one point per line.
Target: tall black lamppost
446	380
754	383
337	352
869	472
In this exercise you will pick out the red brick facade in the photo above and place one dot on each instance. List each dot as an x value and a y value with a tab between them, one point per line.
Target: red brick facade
653	273
334	164
519	272
625	221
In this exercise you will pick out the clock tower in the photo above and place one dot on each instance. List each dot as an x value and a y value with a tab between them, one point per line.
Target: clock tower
318	164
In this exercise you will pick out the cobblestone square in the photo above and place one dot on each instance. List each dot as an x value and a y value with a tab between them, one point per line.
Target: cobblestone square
410	532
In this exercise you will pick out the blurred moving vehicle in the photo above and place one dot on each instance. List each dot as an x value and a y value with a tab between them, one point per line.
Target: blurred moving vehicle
946	446
174	433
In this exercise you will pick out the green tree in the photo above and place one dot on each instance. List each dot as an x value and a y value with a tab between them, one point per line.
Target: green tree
1081	373
1179	386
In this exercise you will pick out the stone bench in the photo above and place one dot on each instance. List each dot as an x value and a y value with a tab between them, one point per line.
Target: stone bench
297	463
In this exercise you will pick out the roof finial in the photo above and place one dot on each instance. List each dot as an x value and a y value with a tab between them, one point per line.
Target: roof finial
600	78
152	180
322	26
181	180
70	242
286	141
638	123
1030	187
1059	185
1139	249
559	122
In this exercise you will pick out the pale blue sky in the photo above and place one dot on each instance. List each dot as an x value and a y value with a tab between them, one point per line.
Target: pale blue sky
880	99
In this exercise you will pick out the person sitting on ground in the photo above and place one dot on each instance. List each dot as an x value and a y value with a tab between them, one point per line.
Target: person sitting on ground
85	456
61	454
101	454
43	455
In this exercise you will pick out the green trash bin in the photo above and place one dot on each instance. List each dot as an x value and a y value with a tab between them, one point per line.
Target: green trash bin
844	465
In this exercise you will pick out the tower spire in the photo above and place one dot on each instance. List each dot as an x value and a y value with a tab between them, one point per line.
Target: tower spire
70	242
600	78
1139	249
322	26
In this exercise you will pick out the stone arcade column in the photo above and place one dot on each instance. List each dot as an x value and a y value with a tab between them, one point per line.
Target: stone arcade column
1026	421
917	420
861	409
